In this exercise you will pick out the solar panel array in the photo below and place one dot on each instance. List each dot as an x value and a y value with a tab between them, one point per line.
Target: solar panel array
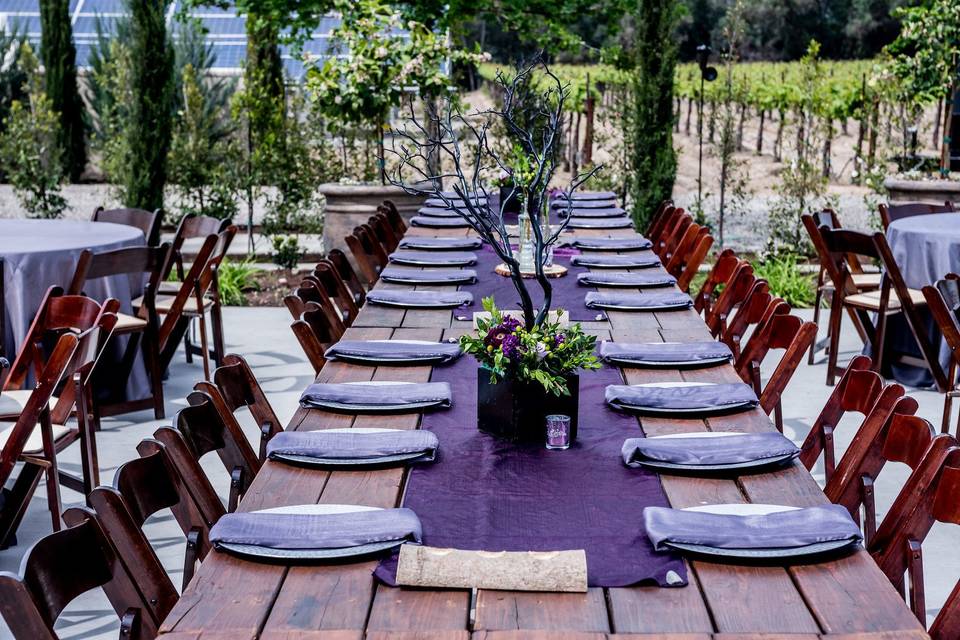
225	30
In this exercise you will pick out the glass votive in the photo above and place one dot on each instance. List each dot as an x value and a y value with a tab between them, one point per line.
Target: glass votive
558	431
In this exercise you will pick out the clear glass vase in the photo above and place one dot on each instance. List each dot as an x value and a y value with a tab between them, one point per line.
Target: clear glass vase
526	243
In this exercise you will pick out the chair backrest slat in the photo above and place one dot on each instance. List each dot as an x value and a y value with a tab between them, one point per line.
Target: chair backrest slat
147	221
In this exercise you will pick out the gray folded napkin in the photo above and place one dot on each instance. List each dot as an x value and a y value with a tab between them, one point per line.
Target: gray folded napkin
705	397
353	444
616	262
585	204
784	529
429	276
431	258
636	301
445	244
317	531
634	243
437	212
611	212
399	395
387	350
733	449
665	352
586	195
599	223
453	198
425	299
625	279
439	223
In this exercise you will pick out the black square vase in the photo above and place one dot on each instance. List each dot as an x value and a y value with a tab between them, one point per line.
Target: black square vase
516	411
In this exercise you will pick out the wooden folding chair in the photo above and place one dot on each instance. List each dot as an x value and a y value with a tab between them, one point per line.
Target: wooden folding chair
782	331
383	232
758	307
330	284
206	429
368	252
904	300
943	301
316	331
674	235
735	292
664	226
718	275
393	215
309	295
237	387
860	390
3	311
656	220
693	259
65	564
902	437
36	412
149	484
147	221
892	212
190	226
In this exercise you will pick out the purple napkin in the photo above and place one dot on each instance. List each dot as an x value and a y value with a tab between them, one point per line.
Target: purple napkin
431	259
317	531
634	243
636	301
420	299
616	262
585	204
784	529
665	352
387	350
734	449
625	279
586	195
440	244
701	397
612	212
396	394
452	222
353	444
429	276
599	223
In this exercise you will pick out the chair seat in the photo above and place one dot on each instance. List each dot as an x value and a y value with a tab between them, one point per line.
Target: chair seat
871	300
867	280
164	303
127	323
34	443
12	402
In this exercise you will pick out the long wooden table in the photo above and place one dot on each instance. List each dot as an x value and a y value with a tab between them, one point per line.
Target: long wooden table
233	599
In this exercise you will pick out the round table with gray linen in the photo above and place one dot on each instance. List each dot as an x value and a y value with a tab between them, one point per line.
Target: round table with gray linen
38	254
926	248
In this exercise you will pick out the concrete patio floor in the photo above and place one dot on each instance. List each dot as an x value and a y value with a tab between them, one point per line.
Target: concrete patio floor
263	337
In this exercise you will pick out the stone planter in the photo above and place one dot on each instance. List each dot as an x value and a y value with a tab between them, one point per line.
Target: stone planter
349	205
931	191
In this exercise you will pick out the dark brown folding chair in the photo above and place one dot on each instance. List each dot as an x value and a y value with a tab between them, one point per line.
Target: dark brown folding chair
191	226
656	220
237	388
316	331
205	429
383	232
860	390
393	215
782	331
673	236
664	227
348	275
902	437
149	484
735	292
142	330
718	276
892	212
943	300
65	564
330	284
309	295
755	311
693	259
369	254
147	221
3	311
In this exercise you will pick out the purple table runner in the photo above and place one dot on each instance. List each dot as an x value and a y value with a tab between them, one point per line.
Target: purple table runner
483	493
568	294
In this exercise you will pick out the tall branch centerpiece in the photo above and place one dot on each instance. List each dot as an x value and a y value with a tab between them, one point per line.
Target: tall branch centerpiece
532	361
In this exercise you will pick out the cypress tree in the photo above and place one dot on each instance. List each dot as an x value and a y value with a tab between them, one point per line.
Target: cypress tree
60	64
263	76
151	113
649	121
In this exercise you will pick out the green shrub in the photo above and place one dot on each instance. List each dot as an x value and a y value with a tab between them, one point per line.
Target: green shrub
786	279
286	251
234	278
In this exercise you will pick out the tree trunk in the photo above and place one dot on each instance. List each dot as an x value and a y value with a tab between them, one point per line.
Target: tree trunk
947	116
588	128
686	126
827	144
936	125
778	143
743	116
763	116
574	148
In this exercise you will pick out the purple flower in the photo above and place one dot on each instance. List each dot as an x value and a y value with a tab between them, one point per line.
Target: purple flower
498	334
559	339
510	345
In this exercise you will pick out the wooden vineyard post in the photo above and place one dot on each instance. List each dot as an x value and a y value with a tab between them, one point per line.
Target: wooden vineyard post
588	128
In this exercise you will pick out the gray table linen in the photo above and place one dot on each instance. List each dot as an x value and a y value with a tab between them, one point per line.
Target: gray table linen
621	222
420	299
665	352
431	258
616	262
429	276
622	301
705	397
388	350
633	243
440	244
625	279
317	531
353	444
438	223
733	449
399	395
784	529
